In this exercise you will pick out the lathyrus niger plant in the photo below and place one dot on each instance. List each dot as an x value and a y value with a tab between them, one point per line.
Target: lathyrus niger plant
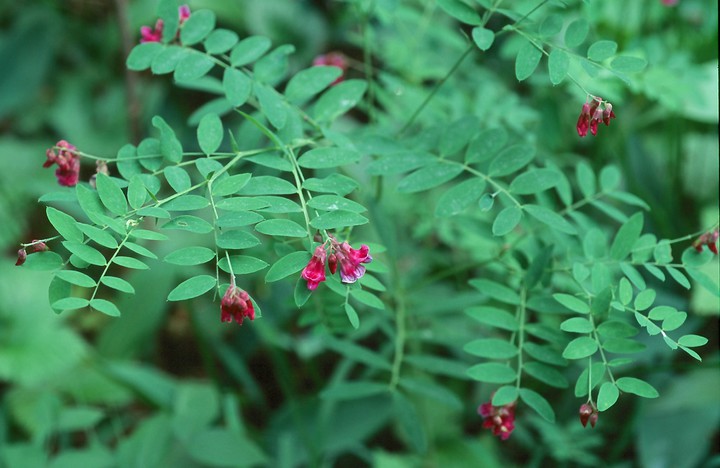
385	256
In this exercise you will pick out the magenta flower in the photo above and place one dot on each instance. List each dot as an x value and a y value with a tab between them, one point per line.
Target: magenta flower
708	239
333	59
583	123
236	304
350	261
68	162
588	412
184	12
149	34
592	114
499	419
314	272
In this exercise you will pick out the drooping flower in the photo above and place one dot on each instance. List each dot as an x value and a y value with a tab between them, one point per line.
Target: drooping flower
499	419
592	114
314	272
708	239
22	256
236	304
350	260
583	123
39	246
184	12
588	412
608	114
68	162
34	246
333	59
332	263
148	34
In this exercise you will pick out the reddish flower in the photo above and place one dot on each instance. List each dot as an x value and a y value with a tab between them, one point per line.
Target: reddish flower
592	114
314	272
499	419
236	304
583	123
332	263
68	162
608	114
22	256
149	34
184	12
333	59
350	260
38	246
710	239
588	412
596	119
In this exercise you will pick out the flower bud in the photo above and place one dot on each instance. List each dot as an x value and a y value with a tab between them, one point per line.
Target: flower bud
22	256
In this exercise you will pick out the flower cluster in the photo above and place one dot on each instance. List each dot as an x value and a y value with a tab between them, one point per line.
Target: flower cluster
499	419
35	246
592	114
333	59
155	34
68	162
708	239
350	260
588	412
236	304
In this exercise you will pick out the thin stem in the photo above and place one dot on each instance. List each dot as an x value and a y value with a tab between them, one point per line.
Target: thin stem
109	262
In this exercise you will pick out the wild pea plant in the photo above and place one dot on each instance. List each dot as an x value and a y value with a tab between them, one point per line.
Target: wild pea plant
427	229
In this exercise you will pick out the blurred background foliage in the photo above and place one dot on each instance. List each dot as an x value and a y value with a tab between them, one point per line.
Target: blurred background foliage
169	386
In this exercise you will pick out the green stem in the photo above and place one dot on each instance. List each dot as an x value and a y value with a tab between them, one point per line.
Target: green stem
109	262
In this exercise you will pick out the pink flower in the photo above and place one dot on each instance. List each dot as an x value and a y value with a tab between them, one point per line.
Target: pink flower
68	162
22	256
184	12
314	272
350	260
333	59
592	114
236	304
499	419
708	239
149	34
588	412
583	123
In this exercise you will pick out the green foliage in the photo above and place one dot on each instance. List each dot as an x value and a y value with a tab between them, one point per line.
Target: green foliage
511	259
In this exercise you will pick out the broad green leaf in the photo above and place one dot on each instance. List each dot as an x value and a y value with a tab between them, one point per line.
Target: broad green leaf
337	220
64	224
692	341
192	287
505	395
511	159
367	298
168	12
186	203
70	303
551	218
527	60
486	202
321	158
586	179
188	223
339	99
544	353
496	291
307	83
197	27
110	194
230	185
170	146
491	348
674	321
546	374
106	307
130	262
142	55
628	64
607	396
644	299
486	145
167	59
190	256
352	315
577	325
210	133
535	401
704	280
493	317
279	205
625	291
506	220
492	372
177	177
459	197
623	345
601	50
616	329
272	160
558	64
573	303
400	162
237	86
77	278
679	277
272	68
609	178
242	264
281	228
460	11
220	41
576	33
148	235
136	192
117	283
236	240
249	49
99	236
192	66
579	348
272	105
85	252
268	185
534	181
637	387
238	219
483	38
428	177
626	237
242	204
335	203
287	265
551	25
